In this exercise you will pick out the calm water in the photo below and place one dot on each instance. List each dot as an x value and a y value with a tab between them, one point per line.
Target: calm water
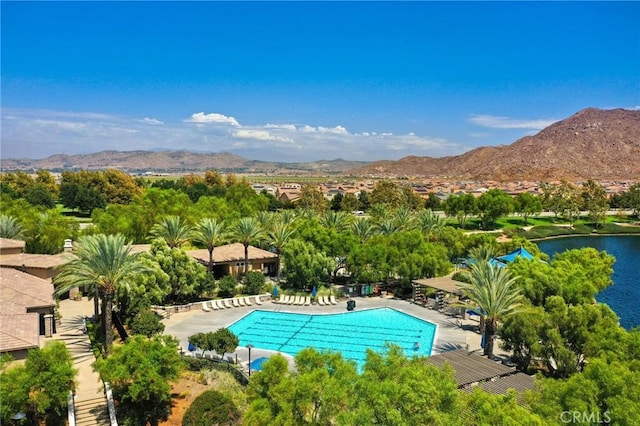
350	333
624	295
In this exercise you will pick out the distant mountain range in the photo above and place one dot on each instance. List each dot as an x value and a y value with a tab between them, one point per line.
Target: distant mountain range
177	162
591	144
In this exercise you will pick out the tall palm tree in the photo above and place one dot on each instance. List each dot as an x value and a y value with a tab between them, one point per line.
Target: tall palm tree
494	291
175	230
211	233
246	230
403	218
10	227
278	237
105	263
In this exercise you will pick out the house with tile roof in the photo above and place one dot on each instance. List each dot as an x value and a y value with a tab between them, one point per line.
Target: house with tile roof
26	311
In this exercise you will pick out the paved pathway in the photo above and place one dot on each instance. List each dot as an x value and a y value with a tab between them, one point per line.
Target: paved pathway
90	401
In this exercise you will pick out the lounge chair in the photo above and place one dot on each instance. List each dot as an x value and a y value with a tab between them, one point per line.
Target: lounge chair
235	302
213	304
227	303
241	301
258	301
291	300
332	299
307	301
300	300
321	300
205	307
295	300
247	301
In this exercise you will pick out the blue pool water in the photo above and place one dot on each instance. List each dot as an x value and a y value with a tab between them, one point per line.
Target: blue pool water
350	333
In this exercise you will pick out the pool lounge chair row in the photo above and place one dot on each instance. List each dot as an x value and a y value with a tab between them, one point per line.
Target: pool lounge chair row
306	300
236	302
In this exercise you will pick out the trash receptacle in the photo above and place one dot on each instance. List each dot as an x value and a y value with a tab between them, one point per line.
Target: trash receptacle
351	305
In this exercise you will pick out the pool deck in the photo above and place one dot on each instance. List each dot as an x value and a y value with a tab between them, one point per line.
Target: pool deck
451	333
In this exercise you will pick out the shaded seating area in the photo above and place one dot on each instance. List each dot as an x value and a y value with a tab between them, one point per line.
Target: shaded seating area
447	293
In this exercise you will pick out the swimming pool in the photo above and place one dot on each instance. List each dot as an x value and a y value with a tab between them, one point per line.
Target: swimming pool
350	333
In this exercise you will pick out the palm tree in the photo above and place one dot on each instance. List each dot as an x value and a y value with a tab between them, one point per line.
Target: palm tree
173	229
429	223
403	218
387	227
105	263
494	291
340	221
279	236
362	228
211	233
10	227
247	230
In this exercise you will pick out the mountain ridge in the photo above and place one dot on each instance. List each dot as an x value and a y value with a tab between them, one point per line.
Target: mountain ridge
590	144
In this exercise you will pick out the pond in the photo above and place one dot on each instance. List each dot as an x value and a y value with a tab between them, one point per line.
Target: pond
624	295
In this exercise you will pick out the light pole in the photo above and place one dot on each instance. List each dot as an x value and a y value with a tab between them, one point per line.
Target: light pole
249	346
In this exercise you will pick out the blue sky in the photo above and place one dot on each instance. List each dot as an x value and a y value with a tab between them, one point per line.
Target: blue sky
304	81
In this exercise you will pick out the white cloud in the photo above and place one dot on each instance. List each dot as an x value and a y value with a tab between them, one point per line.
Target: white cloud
290	127
261	135
201	117
40	133
148	120
497	122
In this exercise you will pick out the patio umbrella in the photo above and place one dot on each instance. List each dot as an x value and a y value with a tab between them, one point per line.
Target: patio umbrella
314	292
275	291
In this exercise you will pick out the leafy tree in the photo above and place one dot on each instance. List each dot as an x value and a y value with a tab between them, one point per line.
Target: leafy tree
594	199
389	194
609	392
187	278
461	207
10	227
563	199
175	231
336	202
485	408
46	179
350	203
305	266
253	282
244	199
104	262
433	202
227	286
211	233
147	323
211	408
88	199
148	288
40	387
18	183
527	205
492	289
365	200
631	199
311	198
140	372
223	341
38	195
247	230
492	205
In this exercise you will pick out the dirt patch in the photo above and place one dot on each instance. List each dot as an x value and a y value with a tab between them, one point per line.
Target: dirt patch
183	392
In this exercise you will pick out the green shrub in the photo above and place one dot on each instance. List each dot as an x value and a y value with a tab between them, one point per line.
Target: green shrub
227	286
211	408
253	282
146	323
